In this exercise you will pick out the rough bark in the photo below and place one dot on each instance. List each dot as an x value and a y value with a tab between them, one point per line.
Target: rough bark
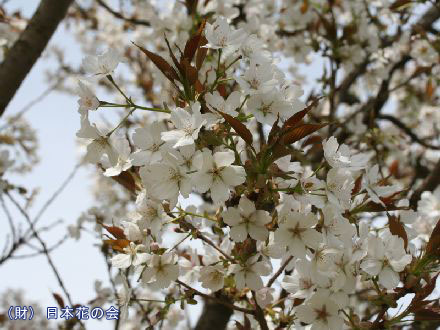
214	316
27	49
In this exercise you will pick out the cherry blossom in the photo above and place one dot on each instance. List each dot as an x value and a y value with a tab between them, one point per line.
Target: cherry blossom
221	35
229	106
148	140
102	65
130	257
246	220
212	277
297	233
249	274
385	259
320	311
167	179
268	106
187	125
161	270
217	174
340	156
88	100
257	79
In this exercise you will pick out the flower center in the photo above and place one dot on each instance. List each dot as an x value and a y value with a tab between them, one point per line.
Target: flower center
297	231
322	314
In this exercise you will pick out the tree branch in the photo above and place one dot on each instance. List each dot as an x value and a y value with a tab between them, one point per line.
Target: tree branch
28	48
259	314
120	16
430	183
408	131
220	301
43	245
278	273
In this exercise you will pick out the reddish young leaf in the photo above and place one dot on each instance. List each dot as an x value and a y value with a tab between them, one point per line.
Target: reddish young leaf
201	52
161	64
357	185
190	71
193	43
397	228
299	132
304	7
279	150
117	244
425	291
297	117
429	89
115	231
191	47
376	207
199	87
315	139
59	300
173	57
428	314
126	180
221	89
273	134
394	168
433	246
238	127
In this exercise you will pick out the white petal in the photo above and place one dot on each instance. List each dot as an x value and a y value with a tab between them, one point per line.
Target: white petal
253	281
238	233
258	233
305	314
297	248
389	278
371	266
233	175
202	182
219	192
224	158
121	260
246	206
231	216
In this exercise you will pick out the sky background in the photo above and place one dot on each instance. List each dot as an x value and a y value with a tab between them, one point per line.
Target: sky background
56	121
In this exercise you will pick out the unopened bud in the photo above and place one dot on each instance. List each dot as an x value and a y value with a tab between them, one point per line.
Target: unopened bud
154	247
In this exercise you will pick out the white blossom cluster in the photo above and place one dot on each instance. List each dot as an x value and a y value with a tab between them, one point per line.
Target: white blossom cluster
306	220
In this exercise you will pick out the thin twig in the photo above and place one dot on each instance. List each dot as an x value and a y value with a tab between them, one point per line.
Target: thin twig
57	193
8	215
279	271
43	245
259	314
50	249
120	16
209	242
225	303
408	131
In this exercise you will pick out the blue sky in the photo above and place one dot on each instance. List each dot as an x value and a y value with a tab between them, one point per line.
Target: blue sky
56	121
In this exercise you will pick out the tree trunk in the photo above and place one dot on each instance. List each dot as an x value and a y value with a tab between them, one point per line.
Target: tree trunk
27	49
214	316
